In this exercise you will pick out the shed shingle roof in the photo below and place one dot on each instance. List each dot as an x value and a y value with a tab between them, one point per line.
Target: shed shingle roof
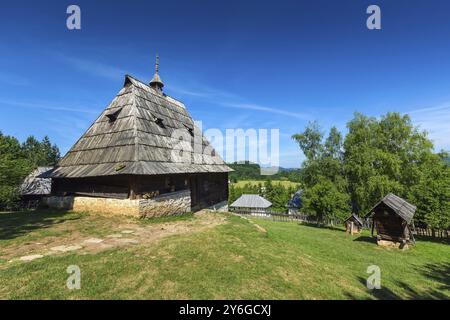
400	206
356	218
34	184
251	201
132	142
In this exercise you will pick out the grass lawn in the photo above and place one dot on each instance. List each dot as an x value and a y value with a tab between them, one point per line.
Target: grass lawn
285	183
228	259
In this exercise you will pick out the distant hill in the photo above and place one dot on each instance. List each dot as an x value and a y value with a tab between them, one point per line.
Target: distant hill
447	161
252	171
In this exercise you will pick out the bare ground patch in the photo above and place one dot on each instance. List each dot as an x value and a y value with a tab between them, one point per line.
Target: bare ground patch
123	233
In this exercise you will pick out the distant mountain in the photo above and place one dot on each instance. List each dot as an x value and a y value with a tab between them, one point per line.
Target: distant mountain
252	171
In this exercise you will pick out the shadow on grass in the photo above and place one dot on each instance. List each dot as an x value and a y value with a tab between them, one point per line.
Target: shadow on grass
321	226
436	272
15	224
431	239
366	239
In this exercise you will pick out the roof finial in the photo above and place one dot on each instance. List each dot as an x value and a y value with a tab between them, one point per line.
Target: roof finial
156	82
157	64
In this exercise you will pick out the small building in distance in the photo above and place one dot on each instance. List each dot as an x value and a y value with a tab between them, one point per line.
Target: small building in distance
295	203
353	224
392	218
250	204
34	188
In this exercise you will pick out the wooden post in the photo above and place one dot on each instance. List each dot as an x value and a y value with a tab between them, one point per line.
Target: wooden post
133	187
373	225
351	227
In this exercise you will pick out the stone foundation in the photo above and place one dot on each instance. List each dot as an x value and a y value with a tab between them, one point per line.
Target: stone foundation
166	204
392	244
163	205
95	205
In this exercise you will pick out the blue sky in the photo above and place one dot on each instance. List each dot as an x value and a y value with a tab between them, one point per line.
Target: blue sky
235	64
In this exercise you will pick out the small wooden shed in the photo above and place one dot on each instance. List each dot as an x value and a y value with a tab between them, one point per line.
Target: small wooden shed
353	224
392	218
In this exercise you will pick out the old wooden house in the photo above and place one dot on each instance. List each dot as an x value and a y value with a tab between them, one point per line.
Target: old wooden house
392	219
353	224
144	147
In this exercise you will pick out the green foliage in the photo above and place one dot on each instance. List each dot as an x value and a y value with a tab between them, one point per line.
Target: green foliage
17	161
252	171
325	184
245	171
40	153
375	158
325	201
432	195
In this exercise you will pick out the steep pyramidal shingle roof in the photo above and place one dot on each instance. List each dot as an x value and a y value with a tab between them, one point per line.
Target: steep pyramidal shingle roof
133	135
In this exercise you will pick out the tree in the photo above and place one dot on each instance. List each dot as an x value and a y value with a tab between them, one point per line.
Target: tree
377	156
386	155
41	153
432	194
18	160
325	184
277	194
310	141
14	167
325	201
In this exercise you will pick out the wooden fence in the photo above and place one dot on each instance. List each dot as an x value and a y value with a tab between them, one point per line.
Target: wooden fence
284	217
367	223
431	233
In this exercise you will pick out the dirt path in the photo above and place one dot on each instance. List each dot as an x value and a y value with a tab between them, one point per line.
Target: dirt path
126	234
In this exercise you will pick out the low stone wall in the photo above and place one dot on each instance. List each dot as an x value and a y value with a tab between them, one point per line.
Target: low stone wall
163	205
95	205
166	204
65	203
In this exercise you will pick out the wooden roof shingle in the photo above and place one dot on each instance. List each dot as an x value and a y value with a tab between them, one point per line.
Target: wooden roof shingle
134	136
251	201
35	184
400	206
355	218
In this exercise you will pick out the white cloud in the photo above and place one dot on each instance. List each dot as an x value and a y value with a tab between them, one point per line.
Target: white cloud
45	106
256	107
93	67
436	121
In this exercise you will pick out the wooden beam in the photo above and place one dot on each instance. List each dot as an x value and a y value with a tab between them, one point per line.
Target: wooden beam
133	187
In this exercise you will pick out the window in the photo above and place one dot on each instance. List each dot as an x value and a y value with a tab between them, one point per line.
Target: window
190	129
159	122
113	115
